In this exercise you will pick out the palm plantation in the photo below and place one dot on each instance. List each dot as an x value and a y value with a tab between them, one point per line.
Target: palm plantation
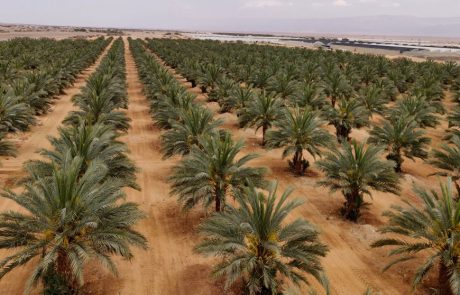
258	245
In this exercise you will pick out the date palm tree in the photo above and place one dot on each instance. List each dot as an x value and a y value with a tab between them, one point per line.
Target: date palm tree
447	158
211	75
401	137
432	228
258	245
283	85
92	143
336	86
238	99
262	112
373	99
345	116
195	123
309	95
99	102
298	130
14	114
212	172
67	220
167	109
418	108
354	170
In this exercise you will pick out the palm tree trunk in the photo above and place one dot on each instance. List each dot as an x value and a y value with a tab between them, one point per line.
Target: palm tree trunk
297	162
333	101
63	269
219	198
396	157
443	280
342	133
351	208
264	130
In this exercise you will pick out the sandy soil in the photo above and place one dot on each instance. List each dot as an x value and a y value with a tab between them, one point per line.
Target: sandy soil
28	144
170	266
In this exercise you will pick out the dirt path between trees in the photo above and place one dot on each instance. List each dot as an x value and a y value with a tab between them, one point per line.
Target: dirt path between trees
29	142
169	266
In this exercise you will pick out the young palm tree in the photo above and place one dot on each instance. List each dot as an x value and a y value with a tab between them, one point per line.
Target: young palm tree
262	112
309	95
238	99
221	92
336	87
167	109
195	123
418	108
296	131
92	143
401	137
447	158
211	172
258	246
211	74
7	148
14	114
98	103
283	85
68	219
373	99
345	116
355	170
431	229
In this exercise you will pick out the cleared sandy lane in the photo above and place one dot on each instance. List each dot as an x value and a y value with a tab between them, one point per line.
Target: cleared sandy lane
169	266
30	142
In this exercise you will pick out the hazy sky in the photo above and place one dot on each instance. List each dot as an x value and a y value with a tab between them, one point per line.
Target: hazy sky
205	14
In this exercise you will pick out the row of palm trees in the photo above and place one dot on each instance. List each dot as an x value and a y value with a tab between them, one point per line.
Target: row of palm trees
72	207
295	123
211	171
32	73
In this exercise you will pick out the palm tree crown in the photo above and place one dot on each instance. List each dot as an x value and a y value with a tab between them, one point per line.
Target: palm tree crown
195	123
211	172
355	170
257	245
432	229
262	112
401	137
296	131
69	218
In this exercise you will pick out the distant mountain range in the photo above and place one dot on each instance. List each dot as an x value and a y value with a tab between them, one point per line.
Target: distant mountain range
369	25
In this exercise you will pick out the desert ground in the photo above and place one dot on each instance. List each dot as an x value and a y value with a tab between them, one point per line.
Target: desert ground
170	266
